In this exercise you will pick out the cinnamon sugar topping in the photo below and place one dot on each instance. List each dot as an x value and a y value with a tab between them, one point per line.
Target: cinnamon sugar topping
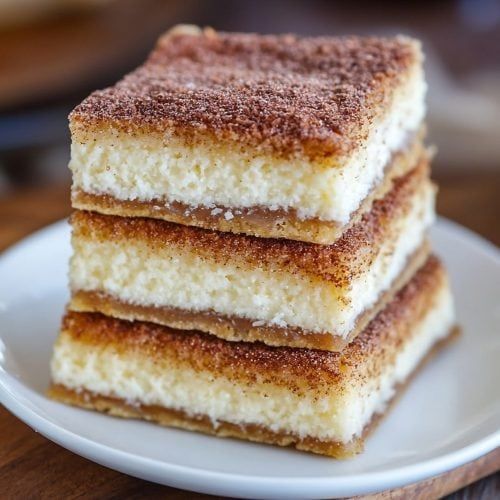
287	93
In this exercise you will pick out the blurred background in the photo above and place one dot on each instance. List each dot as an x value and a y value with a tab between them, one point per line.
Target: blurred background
54	52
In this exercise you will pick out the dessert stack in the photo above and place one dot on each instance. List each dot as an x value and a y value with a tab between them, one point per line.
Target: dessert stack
250	255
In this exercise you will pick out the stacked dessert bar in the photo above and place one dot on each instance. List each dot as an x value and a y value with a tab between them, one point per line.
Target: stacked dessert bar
249	243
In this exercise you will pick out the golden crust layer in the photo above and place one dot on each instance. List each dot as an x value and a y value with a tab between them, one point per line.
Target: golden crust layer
338	263
297	369
174	418
256	221
242	329
286	94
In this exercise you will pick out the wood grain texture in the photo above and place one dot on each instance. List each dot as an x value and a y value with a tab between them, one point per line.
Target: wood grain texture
33	467
449	482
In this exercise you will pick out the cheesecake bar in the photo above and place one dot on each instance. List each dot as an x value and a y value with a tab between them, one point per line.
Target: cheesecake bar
271	136
239	287
318	401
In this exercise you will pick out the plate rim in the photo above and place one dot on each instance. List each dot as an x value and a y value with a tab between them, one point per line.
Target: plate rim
225	483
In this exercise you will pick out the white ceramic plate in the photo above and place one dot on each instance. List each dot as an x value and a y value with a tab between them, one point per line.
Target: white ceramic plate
449	416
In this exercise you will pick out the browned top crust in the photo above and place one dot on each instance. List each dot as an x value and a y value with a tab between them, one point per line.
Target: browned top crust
286	93
377	346
338	263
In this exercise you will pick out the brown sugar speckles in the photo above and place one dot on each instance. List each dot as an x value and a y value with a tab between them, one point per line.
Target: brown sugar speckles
287	93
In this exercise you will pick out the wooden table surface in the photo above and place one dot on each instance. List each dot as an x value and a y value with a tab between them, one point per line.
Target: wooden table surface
33	467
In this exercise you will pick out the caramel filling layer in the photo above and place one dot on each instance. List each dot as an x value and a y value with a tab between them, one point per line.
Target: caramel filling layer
259	220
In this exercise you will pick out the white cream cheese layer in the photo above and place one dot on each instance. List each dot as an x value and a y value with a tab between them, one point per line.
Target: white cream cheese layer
146	167
361	403
339	415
